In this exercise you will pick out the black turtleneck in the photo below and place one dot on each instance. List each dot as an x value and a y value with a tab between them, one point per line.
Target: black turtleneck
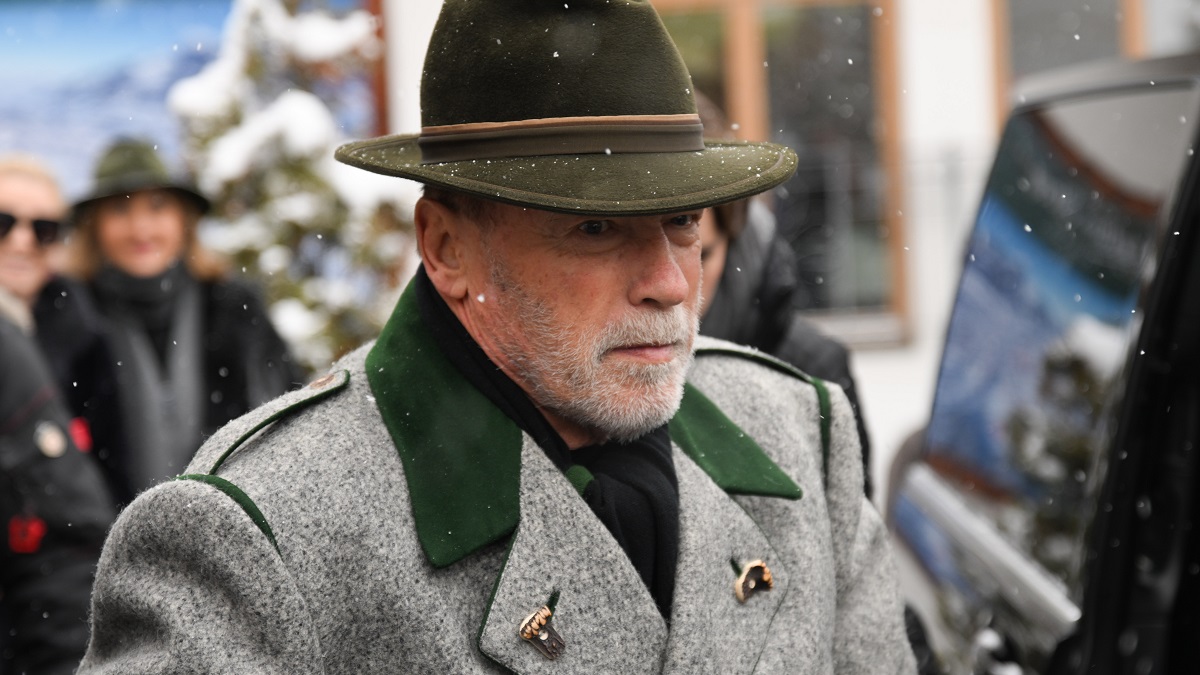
634	491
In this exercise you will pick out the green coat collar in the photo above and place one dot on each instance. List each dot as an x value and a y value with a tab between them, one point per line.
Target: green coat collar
462	456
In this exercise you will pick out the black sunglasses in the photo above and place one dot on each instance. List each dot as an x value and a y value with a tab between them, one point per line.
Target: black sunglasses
44	229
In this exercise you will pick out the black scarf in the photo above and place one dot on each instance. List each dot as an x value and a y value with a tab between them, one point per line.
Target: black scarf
151	301
634	491
154	328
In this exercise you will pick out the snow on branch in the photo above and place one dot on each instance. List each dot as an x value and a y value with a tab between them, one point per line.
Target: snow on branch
331	243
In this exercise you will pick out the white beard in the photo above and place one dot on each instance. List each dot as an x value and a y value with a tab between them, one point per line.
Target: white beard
571	373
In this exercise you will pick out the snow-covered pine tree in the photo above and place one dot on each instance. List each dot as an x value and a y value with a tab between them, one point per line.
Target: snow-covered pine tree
331	245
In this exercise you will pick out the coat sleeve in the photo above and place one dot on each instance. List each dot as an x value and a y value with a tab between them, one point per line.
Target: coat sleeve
869	635
188	583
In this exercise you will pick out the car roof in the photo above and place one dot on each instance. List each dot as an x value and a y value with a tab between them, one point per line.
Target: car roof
1104	75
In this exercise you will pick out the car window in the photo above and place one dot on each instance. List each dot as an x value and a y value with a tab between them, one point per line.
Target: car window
1047	311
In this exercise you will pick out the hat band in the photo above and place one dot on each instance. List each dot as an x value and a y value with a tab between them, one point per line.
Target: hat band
562	136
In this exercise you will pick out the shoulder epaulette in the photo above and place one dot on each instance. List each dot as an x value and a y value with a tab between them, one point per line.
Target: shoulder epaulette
285	406
254	422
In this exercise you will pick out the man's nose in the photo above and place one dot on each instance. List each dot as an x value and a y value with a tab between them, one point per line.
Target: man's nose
660	279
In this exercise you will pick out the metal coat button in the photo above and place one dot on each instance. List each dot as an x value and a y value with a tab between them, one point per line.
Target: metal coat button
50	439
322	381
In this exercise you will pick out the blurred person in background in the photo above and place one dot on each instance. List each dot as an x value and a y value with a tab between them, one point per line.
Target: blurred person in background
750	282
30	230
194	346
55	507
65	323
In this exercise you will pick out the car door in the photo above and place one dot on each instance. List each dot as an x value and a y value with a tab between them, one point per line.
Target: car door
993	516
1141	604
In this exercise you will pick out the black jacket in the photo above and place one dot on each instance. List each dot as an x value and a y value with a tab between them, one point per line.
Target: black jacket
70	332
55	508
755	304
245	363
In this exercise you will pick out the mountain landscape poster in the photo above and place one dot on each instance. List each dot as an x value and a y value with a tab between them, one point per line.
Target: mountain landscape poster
80	73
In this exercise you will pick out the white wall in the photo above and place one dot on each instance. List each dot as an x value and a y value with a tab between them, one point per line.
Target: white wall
1171	26
949	127
948	112
407	25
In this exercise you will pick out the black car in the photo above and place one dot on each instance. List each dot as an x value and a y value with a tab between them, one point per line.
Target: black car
1045	519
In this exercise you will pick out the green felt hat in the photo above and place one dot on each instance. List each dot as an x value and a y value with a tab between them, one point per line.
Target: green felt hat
577	106
131	165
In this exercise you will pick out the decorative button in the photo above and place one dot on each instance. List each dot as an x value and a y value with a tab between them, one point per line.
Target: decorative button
81	433
536	629
50	439
755	577
25	534
322	382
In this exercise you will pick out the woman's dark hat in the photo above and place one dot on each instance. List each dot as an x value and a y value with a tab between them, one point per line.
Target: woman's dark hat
572	106
131	165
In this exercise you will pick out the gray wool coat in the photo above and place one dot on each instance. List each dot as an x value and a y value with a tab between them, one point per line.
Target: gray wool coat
315	548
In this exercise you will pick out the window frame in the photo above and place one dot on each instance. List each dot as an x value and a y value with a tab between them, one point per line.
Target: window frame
1131	40
747	101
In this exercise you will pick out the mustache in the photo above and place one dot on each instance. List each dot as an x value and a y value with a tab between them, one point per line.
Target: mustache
658	327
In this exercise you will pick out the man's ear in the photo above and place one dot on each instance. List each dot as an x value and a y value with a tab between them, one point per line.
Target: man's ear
440	243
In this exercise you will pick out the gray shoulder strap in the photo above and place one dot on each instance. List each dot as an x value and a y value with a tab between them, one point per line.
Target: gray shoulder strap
284	406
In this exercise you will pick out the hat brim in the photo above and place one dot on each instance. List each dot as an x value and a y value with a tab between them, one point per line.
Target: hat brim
137	184
611	184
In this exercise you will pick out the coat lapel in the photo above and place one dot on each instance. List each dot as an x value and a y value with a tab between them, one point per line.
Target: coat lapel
711	631
604	613
474	478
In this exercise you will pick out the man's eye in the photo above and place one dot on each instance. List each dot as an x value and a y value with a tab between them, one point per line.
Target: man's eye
594	227
684	220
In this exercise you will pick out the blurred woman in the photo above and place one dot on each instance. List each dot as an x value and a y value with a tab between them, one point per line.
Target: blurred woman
194	347
54	504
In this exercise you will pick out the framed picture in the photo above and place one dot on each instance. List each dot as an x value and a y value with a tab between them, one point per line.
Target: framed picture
80	73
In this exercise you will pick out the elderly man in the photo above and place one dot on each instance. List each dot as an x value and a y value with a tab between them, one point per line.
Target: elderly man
538	466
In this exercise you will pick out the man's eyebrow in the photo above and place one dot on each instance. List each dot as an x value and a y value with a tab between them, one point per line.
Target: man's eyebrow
570	220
